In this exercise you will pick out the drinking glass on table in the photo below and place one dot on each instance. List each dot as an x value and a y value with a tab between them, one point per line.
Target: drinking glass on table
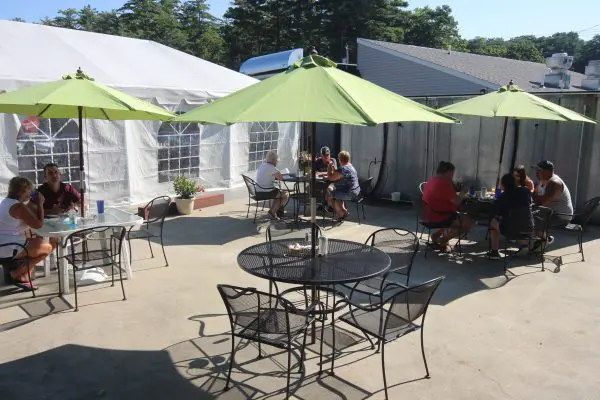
482	193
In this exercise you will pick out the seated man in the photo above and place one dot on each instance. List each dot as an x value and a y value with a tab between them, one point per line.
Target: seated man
59	197
320	166
513	214
441	207
552	192
322	163
266	174
345	185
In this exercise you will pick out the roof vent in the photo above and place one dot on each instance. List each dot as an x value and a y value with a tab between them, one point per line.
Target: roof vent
559	76
592	76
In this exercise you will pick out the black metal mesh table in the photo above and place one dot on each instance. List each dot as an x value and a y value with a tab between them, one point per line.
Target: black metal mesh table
345	262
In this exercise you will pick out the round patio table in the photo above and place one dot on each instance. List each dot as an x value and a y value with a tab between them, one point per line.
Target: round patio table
345	262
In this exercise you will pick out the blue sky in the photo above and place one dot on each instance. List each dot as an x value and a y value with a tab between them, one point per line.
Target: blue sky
499	18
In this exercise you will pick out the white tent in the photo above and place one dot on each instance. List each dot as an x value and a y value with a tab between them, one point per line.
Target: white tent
132	161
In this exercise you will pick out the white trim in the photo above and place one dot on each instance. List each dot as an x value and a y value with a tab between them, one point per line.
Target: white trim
420	61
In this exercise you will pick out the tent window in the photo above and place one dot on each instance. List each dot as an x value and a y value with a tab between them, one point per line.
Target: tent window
41	141
263	138
178	151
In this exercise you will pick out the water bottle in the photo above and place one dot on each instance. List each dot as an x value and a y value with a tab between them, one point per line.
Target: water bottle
323	245
72	214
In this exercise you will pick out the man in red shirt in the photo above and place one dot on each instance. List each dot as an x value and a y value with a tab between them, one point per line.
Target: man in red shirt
59	196
440	207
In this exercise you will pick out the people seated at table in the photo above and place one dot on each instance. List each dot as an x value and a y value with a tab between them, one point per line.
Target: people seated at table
266	174
522	178
552	192
60	197
512	214
344	187
17	214
321	164
440	208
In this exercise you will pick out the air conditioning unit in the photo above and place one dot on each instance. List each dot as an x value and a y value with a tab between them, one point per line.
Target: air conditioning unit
592	76
559	76
559	61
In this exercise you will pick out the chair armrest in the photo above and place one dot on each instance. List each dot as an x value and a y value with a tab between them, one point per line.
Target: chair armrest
288	306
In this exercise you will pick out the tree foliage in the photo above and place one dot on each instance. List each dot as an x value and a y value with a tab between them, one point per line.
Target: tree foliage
256	27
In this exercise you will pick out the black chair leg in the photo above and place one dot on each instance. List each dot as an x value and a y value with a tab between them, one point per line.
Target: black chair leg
162	244
321	346
230	363
248	211
150	245
423	354
129	246
75	289
289	367
30	281
255	211
112	273
383	369
332	342
303	351
121	278
358	212
580	239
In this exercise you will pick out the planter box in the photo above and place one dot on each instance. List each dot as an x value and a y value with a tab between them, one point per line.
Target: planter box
202	201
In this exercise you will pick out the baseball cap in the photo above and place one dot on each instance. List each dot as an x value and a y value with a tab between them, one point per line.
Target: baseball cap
545	165
325	150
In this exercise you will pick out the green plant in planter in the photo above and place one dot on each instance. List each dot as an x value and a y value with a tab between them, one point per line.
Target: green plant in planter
186	188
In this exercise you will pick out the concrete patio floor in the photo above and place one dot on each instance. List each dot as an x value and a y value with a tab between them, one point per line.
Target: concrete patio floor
524	335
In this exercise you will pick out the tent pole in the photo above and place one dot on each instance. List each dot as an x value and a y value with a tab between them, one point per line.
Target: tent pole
313	190
81	170
501	151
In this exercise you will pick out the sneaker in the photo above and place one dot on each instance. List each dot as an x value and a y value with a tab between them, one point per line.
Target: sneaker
273	216
494	255
537	247
550	240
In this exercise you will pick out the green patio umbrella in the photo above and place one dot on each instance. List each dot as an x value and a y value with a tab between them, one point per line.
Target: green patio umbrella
314	90
512	102
79	96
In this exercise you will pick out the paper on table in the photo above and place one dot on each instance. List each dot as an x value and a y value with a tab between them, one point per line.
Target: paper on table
285	171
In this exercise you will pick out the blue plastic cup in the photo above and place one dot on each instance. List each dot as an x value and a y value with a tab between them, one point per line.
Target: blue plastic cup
100	206
497	194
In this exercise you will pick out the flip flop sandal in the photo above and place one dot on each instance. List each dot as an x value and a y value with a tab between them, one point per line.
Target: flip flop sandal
25	286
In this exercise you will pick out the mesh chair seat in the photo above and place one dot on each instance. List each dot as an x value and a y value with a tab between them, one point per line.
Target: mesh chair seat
90	259
272	328
372	323
374	285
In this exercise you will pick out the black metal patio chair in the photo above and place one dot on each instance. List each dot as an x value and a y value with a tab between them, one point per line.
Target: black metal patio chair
10	263
541	218
401	246
266	319
579	221
426	211
155	213
98	247
252	187
394	317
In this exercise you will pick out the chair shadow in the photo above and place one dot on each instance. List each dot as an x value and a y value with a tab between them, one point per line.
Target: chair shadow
204	361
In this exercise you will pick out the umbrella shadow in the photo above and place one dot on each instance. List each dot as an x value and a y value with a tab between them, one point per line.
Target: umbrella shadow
204	361
81	372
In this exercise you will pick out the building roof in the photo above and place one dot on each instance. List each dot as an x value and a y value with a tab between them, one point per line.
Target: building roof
31	53
495	71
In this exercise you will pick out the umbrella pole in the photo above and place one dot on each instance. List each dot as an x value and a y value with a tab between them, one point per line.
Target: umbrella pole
313	199
81	171
501	151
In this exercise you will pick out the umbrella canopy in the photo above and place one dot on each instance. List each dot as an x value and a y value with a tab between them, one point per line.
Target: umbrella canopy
314	90
75	94
512	102
79	96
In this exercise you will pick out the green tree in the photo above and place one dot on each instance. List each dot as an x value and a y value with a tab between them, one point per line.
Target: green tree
433	27
202	30
17	19
590	51
65	19
525	50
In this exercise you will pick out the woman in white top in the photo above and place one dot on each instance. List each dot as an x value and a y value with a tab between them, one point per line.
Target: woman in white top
18	213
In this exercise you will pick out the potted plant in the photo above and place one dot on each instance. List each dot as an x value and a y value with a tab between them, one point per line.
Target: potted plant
185	189
305	161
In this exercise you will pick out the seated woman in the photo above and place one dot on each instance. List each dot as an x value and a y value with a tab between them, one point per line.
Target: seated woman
18	213
523	179
513	214
345	185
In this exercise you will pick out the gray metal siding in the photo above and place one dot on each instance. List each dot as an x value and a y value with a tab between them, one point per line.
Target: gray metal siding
414	149
408	78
